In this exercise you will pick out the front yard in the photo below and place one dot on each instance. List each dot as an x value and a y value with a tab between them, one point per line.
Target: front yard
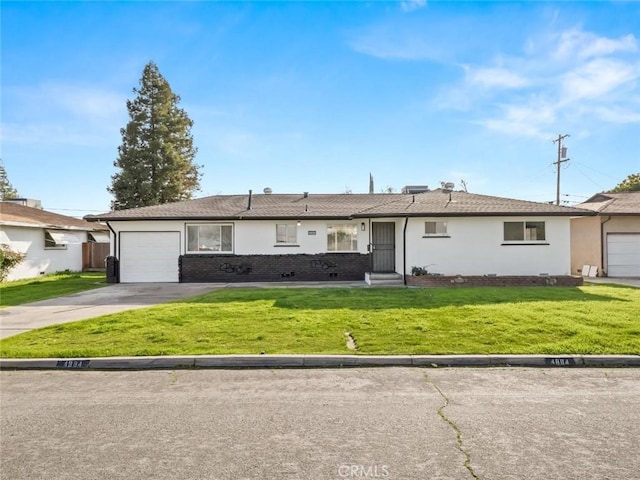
49	286
593	319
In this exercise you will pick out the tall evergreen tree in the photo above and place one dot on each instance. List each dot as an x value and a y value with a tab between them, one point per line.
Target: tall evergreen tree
156	157
6	189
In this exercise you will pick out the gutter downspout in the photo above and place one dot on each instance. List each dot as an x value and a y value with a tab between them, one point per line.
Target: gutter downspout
404	251
602	244
370	248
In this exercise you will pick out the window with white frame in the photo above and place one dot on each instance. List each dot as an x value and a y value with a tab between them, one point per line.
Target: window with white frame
524	232
54	241
210	238
435	229
286	233
342	238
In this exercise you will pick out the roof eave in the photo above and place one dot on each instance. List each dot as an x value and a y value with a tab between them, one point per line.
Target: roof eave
477	214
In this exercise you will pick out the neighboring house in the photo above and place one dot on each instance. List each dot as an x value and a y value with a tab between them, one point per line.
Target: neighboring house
50	242
610	240
275	237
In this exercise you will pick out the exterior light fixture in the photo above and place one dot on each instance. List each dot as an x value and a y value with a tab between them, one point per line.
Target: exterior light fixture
362	226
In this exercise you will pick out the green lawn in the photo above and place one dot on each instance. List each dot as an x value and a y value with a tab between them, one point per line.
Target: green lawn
594	319
48	286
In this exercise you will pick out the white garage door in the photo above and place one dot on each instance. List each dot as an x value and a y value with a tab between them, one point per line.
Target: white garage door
149	256
623	254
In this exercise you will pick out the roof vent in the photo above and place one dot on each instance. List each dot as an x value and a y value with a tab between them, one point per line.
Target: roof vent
267	191
447	187
415	189
306	194
25	202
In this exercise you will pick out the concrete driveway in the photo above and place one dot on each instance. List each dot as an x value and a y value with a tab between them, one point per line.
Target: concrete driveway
93	303
626	281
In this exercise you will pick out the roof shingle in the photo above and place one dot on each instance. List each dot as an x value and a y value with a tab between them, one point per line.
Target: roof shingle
12	213
293	206
614	203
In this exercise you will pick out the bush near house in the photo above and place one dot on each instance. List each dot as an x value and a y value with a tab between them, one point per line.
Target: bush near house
8	260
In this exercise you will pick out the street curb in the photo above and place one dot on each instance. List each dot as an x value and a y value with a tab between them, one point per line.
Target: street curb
317	361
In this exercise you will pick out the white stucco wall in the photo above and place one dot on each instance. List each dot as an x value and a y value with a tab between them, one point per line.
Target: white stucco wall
38	260
475	247
255	236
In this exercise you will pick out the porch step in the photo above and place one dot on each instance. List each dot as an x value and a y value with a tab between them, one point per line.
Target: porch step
384	279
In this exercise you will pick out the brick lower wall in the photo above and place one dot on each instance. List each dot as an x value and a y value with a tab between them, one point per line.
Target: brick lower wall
498	281
273	268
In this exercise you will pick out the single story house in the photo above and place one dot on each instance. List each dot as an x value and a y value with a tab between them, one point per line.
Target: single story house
310	237
49	241
611	239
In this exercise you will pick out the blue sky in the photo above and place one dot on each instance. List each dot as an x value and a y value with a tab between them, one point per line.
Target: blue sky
312	96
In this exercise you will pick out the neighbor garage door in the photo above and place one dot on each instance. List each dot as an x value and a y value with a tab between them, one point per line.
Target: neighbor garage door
623	254
149	256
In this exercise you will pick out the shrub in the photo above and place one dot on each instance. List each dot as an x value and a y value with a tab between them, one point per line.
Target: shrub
417	271
8	260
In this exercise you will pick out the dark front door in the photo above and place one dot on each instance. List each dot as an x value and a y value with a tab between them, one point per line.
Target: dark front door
383	246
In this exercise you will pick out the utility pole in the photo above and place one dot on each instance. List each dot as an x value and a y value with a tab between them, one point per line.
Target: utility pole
562	157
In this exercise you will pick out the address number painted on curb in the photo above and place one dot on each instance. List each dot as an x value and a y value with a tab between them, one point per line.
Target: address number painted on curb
73	363
560	362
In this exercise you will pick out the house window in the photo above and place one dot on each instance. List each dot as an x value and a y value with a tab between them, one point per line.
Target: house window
209	238
51	243
286	233
98	237
435	229
342	238
524	231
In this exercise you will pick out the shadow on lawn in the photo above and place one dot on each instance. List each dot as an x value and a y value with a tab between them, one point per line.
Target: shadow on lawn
381	298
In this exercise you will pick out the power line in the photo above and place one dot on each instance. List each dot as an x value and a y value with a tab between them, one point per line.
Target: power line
75	210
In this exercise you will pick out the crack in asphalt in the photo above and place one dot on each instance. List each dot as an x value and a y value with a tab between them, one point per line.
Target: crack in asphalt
452	424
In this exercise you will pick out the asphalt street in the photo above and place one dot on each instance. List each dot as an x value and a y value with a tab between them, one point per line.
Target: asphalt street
394	423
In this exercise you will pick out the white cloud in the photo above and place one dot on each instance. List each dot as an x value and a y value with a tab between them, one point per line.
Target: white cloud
80	100
598	77
396	45
59	133
529	120
489	77
617	115
63	114
411	5
584	45
579	78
